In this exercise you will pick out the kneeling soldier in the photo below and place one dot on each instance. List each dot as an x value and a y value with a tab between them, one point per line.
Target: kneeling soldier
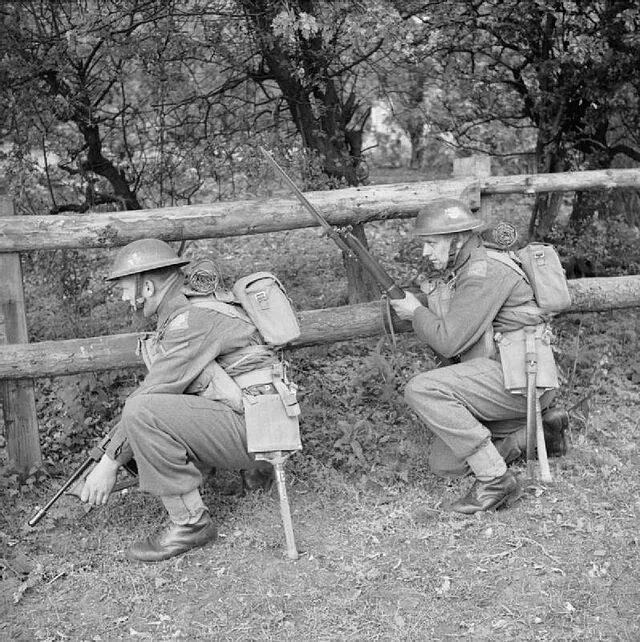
478	424
187	416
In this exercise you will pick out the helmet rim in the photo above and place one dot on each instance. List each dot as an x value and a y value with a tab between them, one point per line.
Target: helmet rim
143	255
445	216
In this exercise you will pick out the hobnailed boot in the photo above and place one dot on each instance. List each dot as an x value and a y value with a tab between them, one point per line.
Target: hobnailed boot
173	540
489	495
257	479
555	422
509	448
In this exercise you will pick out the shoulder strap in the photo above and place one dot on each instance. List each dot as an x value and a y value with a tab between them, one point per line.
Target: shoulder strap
223	308
507	259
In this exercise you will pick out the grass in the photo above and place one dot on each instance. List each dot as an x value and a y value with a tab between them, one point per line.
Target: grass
379	564
382	557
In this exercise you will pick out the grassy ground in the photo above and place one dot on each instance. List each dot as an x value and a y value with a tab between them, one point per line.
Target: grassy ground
382	557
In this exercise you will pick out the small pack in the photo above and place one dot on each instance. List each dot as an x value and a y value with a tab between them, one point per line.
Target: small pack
540	265
264	299
261	297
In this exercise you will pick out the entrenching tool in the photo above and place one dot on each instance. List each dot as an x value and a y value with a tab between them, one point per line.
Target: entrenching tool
535	428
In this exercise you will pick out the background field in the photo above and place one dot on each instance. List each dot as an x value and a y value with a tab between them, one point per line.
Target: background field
383	559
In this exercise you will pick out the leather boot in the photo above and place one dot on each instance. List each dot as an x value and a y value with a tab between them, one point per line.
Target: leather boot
555	422
174	540
257	479
489	495
509	448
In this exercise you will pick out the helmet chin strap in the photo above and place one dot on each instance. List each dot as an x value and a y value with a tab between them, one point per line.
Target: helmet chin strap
454	247
138	298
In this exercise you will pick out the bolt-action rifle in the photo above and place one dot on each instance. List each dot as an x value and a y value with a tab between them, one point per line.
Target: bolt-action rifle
74	483
343	238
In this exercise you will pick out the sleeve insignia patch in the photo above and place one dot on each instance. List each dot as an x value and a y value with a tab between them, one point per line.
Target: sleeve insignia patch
478	268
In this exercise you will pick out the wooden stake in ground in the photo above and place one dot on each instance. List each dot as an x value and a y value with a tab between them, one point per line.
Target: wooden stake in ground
18	399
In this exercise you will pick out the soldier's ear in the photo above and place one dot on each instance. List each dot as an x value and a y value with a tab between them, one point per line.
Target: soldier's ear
148	288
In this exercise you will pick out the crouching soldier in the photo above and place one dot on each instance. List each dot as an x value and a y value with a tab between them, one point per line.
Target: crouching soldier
478	425
187	416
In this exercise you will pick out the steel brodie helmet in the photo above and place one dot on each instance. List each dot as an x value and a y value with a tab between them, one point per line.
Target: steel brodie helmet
445	216
143	256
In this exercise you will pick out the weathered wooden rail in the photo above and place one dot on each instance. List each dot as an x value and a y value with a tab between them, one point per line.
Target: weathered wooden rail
53	358
20	362
240	218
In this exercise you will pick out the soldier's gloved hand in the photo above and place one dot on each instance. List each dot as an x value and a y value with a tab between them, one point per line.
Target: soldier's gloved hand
100	482
405	308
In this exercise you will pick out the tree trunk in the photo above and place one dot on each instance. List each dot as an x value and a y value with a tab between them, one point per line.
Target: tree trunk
545	213
361	286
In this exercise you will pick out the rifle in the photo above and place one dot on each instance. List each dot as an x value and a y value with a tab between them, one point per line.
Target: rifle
80	474
343	238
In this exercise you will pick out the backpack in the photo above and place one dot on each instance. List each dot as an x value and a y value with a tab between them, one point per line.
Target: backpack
264	299
261	296
539	264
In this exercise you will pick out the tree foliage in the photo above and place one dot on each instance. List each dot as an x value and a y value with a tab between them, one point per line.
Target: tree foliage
131	102
556	80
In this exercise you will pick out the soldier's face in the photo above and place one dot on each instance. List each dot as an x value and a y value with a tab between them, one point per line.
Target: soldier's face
436	249
128	286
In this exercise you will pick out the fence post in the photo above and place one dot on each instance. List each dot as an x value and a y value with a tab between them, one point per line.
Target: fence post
18	399
478	167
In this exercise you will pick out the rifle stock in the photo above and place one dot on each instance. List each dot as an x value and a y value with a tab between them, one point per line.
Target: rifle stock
346	241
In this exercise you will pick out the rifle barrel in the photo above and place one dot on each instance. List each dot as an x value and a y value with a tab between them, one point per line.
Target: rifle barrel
72	480
345	241
335	236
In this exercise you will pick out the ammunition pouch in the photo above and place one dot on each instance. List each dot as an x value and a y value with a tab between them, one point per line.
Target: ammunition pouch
512	349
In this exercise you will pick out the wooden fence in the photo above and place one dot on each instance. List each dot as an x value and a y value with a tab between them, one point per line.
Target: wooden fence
21	362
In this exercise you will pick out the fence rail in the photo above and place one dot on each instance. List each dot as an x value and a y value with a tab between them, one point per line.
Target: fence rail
329	325
240	218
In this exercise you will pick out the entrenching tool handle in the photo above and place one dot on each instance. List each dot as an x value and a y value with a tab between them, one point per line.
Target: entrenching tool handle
545	472
277	458
531	368
535	428
531	428
285	511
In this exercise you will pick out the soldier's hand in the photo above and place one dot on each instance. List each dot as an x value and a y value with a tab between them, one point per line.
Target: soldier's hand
406	308
100	482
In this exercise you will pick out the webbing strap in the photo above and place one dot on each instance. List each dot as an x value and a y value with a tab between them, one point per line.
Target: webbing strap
223	308
387	322
507	259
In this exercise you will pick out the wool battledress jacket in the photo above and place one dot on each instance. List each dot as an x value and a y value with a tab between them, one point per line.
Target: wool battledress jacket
486	296
188	338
